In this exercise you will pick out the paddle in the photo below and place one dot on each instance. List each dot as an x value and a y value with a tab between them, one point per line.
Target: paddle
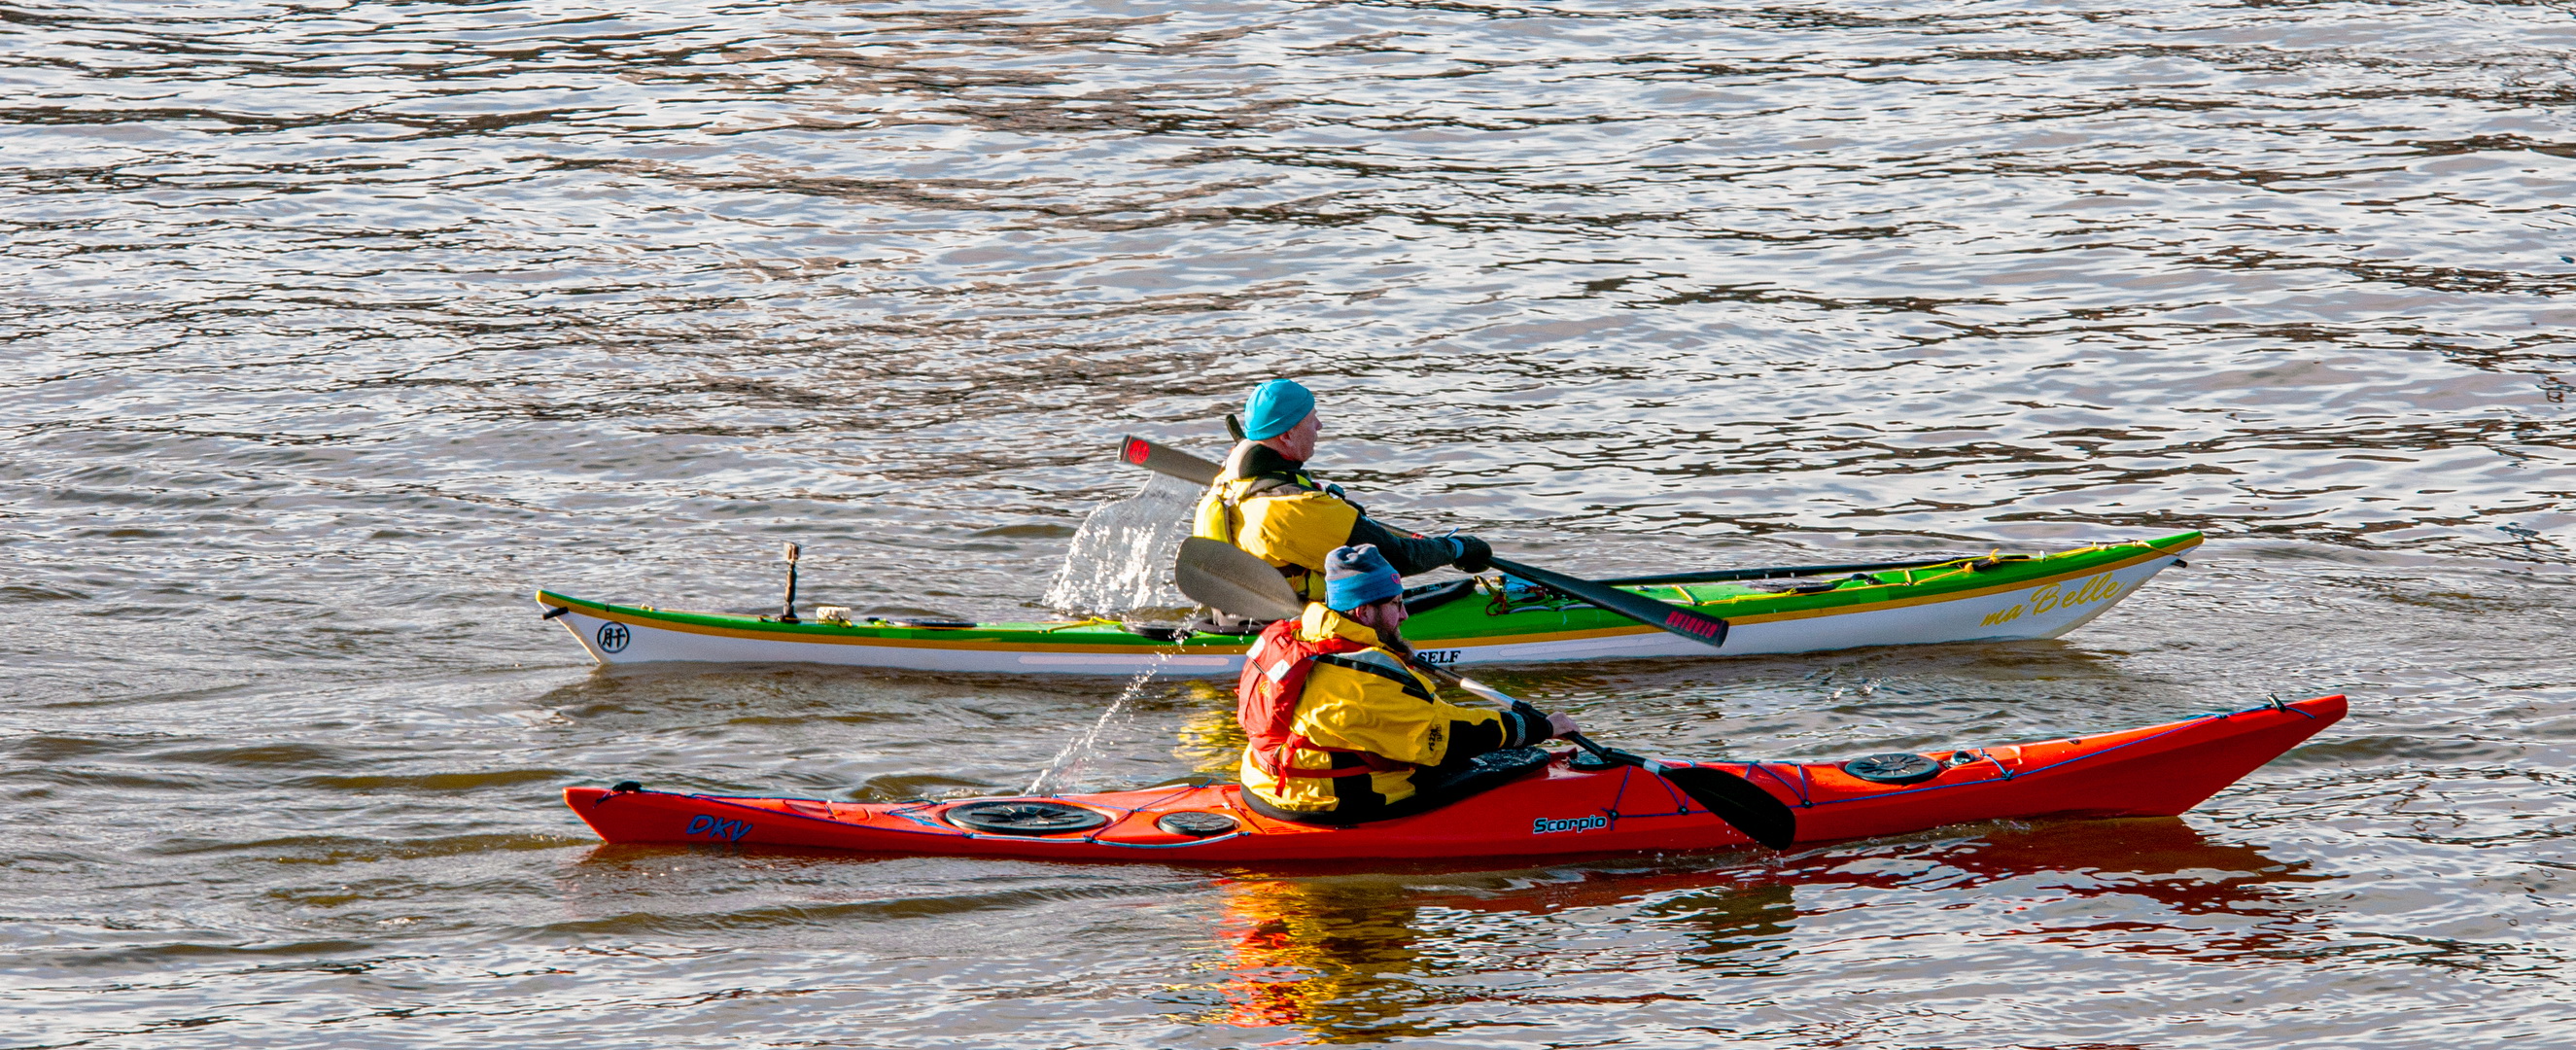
1688	623
1728	797
1168	461
1222	577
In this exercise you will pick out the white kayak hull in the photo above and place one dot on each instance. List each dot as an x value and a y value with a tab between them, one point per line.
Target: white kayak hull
2042	607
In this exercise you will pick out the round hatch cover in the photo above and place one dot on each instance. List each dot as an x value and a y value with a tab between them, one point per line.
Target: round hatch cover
1024	817
1196	825
1893	767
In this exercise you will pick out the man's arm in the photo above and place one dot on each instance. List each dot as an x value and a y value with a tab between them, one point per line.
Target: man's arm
1472	736
1348	707
1409	554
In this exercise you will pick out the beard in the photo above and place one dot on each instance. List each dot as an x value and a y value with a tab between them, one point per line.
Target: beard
1390	637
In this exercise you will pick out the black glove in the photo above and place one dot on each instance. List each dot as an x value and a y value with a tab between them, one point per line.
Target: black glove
1472	555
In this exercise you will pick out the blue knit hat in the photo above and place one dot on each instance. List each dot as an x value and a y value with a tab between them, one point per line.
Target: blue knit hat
1357	576
1275	408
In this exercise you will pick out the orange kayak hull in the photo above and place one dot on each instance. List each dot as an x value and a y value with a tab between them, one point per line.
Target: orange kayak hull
2157	771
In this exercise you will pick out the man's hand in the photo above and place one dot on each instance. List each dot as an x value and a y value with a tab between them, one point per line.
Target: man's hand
1470	555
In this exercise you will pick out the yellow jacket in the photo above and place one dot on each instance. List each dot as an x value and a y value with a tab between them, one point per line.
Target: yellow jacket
1371	701
1280	516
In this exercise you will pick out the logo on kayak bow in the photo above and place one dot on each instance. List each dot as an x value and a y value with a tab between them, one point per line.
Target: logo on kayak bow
1545	826
2055	596
727	830
613	637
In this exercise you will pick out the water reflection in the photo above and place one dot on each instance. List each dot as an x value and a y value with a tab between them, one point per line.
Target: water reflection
1738	931
2157	887
1350	958
1211	737
1341	960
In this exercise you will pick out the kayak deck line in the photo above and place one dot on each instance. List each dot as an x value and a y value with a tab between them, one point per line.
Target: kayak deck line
1556	810
1964	599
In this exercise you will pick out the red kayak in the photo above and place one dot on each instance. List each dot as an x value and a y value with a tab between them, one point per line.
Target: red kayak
1558	808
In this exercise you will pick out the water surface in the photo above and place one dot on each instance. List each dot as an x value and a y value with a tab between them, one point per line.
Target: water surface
333	329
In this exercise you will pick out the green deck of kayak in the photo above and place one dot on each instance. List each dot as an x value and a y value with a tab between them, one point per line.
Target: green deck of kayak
1469	618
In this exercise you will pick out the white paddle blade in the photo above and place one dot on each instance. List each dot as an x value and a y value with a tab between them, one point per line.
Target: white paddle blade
1224	578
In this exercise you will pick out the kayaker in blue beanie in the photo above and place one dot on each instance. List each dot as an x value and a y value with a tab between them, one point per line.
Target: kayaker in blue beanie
1264	501
1339	729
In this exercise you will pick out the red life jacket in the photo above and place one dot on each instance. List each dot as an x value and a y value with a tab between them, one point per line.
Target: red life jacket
1265	701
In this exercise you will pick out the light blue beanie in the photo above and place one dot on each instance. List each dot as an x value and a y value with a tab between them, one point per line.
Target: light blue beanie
1275	408
1357	576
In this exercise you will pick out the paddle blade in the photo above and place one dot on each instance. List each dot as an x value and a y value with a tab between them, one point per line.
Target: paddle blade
1224	578
1686	622
1738	802
1166	460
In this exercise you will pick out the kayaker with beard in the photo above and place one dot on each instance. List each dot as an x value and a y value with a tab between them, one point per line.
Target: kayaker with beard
1339	729
1264	502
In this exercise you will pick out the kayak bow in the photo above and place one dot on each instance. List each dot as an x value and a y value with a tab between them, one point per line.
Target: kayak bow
1560	809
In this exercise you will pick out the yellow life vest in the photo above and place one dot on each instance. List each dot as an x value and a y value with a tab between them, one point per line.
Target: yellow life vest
1282	518
1361	699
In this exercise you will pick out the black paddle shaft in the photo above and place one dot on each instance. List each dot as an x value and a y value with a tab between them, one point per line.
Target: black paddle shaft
1688	623
1724	795
1730	798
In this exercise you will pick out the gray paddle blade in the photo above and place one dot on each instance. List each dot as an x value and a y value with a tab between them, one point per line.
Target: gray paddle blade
1224	578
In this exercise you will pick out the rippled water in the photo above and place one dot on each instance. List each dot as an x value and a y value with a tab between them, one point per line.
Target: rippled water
333	329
